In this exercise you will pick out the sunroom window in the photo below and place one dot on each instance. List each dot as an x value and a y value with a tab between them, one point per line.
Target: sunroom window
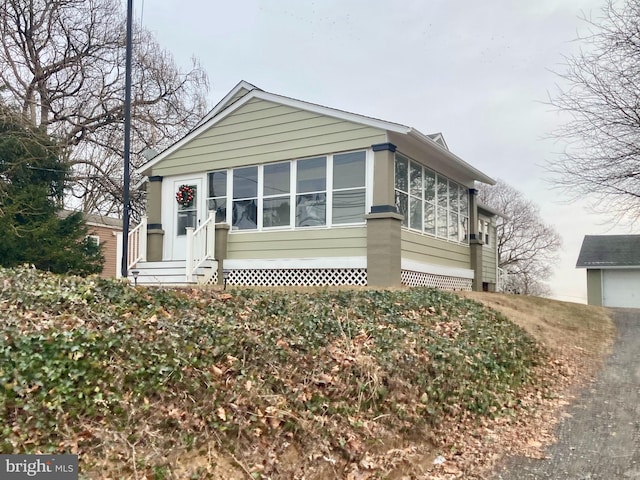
430	203
310	192
276	200
217	198
311	199
245	198
348	204
402	188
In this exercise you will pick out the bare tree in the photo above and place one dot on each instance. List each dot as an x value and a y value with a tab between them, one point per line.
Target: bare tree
526	245
601	99
62	63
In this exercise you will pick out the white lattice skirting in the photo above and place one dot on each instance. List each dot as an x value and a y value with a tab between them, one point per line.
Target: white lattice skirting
298	276
444	282
214	278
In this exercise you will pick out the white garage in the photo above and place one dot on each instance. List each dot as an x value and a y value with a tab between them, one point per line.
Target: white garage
621	288
613	269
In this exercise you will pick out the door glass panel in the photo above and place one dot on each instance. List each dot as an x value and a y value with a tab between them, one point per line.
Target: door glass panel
187	213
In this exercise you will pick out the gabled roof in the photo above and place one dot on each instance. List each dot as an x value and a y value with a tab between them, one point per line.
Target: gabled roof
235	94
602	251
94	220
438	138
244	92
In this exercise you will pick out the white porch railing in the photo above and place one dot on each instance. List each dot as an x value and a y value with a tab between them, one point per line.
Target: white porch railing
137	243
200	245
136	247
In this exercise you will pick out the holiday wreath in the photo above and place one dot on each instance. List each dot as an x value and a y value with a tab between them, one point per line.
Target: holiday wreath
185	195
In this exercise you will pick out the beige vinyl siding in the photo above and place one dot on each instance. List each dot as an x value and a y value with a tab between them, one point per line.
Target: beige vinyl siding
489	264
489	254
333	242
261	132
426	249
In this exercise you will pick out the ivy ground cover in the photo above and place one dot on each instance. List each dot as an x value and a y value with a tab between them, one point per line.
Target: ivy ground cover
133	379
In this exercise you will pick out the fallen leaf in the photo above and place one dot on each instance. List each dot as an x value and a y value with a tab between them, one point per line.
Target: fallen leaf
222	415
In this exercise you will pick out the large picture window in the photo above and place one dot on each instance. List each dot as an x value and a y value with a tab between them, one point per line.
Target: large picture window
310	192
430	203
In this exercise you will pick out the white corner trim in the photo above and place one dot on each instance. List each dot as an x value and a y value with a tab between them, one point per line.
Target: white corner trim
294	263
406	264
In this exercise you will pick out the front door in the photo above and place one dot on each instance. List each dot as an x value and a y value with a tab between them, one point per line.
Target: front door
186	213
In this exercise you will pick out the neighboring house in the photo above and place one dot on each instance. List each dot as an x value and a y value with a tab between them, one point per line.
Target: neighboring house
103	231
613	269
303	194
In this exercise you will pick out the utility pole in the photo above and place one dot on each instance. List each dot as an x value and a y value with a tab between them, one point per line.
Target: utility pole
127	143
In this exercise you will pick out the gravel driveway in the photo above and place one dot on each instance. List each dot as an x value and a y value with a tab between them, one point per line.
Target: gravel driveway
601	438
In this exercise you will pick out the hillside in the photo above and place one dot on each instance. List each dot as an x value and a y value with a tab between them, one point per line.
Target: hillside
357	384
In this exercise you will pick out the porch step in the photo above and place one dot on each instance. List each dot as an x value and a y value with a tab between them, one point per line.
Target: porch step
168	273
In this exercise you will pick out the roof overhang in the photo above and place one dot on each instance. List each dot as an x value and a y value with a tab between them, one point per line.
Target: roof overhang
421	141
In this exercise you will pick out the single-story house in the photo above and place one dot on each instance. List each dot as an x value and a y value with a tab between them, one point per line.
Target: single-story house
270	190
104	231
613	269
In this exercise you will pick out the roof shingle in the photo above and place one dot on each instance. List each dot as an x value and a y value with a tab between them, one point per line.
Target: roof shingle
602	251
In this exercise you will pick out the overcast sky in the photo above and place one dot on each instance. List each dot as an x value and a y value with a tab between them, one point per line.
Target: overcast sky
479	72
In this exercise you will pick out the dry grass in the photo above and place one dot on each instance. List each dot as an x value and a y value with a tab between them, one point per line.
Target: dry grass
557	325
577	337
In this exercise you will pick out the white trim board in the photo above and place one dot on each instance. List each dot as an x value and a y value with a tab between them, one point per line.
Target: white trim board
294	263
406	264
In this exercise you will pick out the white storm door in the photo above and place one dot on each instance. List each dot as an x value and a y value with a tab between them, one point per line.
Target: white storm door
186	215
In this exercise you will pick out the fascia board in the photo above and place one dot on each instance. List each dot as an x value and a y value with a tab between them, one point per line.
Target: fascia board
332	112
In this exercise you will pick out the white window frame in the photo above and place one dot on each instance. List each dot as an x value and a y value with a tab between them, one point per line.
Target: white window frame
438	178
95	238
293	193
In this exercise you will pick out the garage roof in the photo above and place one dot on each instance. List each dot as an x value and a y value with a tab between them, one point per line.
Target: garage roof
602	251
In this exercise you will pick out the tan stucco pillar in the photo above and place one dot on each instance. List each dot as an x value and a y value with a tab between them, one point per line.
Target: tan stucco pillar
383	249
155	233
222	237
383	222
475	242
